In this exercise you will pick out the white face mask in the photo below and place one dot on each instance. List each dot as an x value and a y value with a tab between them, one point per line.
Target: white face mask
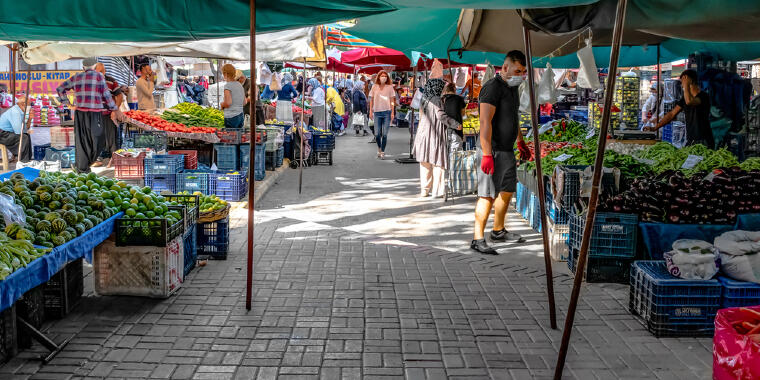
515	81
383	80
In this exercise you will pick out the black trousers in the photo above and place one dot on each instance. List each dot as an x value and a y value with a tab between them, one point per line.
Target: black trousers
89	138
10	140
109	136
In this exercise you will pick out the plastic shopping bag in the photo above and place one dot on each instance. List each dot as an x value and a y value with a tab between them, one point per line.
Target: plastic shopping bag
436	69
12	213
416	99
740	254
588	76
275	84
736	356
692	259
547	93
264	77
524	98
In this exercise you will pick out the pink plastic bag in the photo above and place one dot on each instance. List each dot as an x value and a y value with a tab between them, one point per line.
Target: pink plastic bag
735	356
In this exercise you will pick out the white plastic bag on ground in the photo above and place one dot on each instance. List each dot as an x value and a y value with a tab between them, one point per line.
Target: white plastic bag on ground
588	76
692	260
547	93
740	254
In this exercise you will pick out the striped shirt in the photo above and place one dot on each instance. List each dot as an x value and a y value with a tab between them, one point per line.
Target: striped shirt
90	91
118	68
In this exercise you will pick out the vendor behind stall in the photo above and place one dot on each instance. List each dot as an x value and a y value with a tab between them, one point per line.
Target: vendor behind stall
649	110
145	86
11	123
696	104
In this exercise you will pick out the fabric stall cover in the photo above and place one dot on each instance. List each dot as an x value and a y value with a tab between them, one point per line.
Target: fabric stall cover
286	45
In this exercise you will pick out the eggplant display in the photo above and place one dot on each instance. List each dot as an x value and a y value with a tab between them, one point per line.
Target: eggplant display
715	197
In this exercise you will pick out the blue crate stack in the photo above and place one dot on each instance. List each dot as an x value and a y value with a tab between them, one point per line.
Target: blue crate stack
229	186
214	239
194	180
162	170
190	246
612	248
739	293
245	156
671	306
227	157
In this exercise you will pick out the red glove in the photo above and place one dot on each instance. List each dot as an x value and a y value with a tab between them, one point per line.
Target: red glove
486	164
525	153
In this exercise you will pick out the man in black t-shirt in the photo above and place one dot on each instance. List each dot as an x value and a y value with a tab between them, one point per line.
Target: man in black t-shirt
499	129
696	105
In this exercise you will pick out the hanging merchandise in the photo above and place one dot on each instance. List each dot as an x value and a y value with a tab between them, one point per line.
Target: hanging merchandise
490	74
461	77
588	76
547	93
161	76
436	70
416	99
265	75
524	98
275	84
627	98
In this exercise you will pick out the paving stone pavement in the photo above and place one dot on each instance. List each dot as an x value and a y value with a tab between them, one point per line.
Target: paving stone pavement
357	278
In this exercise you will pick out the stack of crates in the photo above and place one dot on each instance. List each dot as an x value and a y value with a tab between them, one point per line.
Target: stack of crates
670	306
191	158
227	157
62	137
214	239
627	98
739	293
323	144
194	181
161	171
129	167
230	186
612	248
595	117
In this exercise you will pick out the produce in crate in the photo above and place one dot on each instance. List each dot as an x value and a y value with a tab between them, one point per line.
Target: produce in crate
159	123
194	115
702	198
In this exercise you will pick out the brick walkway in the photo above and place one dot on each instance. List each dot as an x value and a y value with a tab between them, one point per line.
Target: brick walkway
358	279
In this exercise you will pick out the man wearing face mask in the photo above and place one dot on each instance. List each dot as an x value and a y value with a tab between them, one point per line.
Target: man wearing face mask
499	129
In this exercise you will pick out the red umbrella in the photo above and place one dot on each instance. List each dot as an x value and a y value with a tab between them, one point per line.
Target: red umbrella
425	64
337	66
370	56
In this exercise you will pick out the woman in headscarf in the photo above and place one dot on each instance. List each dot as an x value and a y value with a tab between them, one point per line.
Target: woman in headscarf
285	99
454	106
359	102
430	141
317	97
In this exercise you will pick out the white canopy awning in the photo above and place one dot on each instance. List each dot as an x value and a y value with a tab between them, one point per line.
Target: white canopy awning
278	46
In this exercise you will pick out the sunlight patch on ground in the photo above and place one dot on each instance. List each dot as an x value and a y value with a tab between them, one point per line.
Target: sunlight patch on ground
393	242
305	226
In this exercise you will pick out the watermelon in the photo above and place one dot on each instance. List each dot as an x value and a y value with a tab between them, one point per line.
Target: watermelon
58	240
80	216
25	234
45	196
12	229
56	195
80	228
58	225
54	205
88	224
51	216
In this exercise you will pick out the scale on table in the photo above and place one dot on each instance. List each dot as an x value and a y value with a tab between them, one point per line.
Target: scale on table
632	134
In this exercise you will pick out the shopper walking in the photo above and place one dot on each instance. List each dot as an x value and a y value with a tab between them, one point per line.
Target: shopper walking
234	99
382	107
454	106
430	141
336	110
92	98
499	128
359	102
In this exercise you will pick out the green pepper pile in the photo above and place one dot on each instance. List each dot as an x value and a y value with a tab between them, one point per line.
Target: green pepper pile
191	114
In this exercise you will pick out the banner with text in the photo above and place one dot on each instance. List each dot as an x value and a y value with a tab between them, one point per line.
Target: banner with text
41	82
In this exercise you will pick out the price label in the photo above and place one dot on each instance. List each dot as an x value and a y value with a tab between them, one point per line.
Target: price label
547	126
562	158
591	133
691	161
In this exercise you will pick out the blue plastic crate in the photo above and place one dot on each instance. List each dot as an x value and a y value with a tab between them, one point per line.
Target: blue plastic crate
193	180
667	133
739	293
245	156
39	152
556	214
164	164
226	157
273	160
613	234
214	239
190	243
229	186
469	143
535	218
602	269
162	182
671	306
518	197
322	141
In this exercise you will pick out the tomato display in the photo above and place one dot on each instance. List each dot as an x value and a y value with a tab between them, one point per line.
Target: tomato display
161	124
